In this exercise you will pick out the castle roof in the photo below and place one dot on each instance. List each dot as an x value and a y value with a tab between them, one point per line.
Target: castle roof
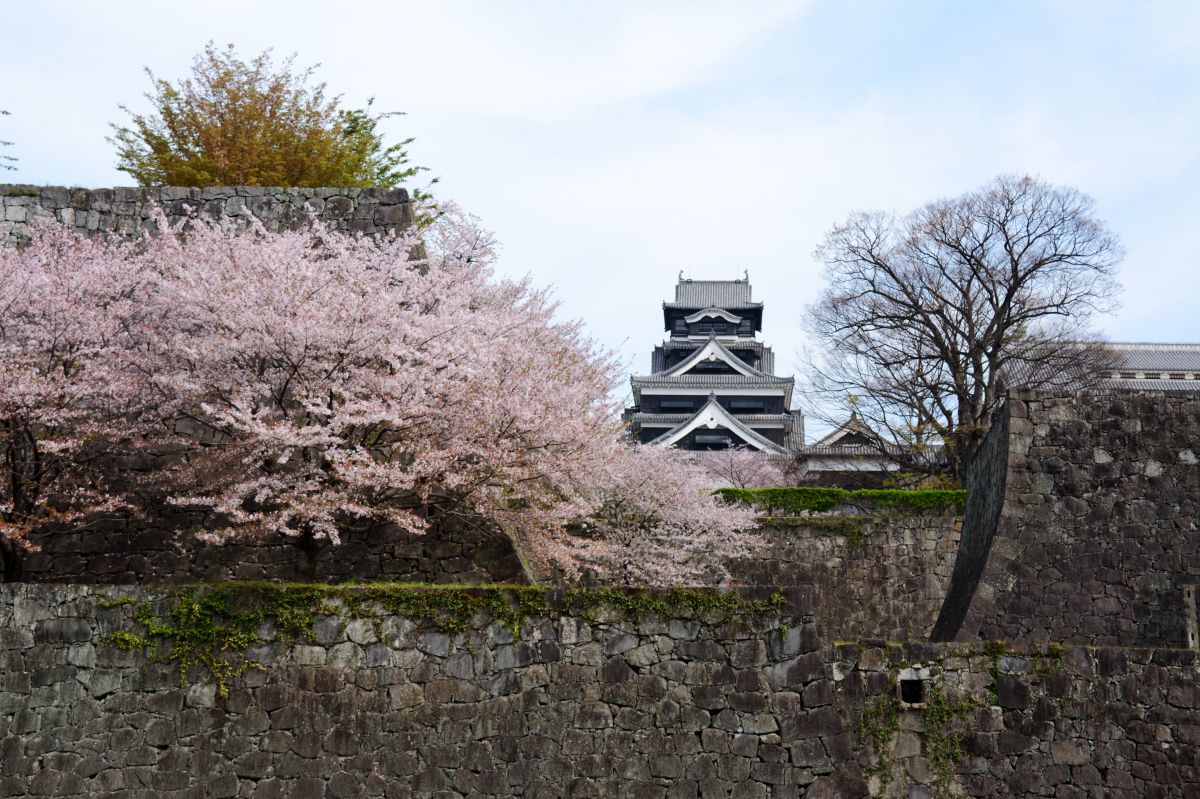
712	381
704	294
713	416
714	350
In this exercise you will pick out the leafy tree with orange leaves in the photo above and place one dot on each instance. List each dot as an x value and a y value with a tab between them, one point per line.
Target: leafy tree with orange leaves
239	123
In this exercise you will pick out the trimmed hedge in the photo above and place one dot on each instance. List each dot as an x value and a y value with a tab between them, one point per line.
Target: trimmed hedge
807	498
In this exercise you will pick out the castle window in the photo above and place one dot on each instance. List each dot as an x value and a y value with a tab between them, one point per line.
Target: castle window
1177	376
711	440
718	367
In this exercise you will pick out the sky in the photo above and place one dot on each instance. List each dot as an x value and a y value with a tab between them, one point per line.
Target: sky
611	145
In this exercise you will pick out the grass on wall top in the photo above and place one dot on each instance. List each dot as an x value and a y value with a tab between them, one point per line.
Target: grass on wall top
809	498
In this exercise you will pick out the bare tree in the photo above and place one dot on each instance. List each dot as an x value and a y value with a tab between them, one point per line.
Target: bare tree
927	319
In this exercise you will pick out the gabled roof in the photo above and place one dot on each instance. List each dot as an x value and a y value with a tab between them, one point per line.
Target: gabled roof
847	430
707	312
712	351
673	419
712	416
842	441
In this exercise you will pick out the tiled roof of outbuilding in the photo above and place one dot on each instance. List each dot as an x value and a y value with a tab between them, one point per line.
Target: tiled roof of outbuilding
1145	356
1142	384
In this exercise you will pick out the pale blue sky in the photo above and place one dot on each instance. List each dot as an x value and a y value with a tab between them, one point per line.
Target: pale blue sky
610	145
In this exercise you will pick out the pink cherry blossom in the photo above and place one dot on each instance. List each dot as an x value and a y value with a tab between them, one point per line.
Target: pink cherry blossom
307	379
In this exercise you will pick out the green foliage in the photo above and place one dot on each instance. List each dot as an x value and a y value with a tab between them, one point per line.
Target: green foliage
944	730
114	603
918	480
850	527
807	498
995	649
125	640
876	728
242	123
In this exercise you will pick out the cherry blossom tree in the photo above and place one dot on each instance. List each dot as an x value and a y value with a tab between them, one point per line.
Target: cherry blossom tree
657	522
69	397
336	379
294	384
741	467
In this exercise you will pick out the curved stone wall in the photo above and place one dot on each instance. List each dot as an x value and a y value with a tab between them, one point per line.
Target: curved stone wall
986	482
1099	538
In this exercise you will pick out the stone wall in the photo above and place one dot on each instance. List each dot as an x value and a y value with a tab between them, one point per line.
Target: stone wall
1070	722
124	211
872	576
166	549
1098	539
373	707
580	705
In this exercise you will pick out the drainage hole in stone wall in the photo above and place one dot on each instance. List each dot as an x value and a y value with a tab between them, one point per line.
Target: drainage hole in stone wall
912	692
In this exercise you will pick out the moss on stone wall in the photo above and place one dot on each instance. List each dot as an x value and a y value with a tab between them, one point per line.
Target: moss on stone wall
808	498
213	626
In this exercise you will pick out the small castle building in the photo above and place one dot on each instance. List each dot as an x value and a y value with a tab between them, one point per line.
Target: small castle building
712	383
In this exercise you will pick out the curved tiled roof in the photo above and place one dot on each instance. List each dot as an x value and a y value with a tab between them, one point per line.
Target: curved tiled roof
707	312
1144	384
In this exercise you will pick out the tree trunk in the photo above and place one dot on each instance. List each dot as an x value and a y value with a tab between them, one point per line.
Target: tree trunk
13	558
310	549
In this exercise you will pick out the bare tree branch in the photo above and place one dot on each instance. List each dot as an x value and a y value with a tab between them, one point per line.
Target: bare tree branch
926	320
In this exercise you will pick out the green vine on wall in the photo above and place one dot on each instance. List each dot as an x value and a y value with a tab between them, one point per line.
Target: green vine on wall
876	728
944	729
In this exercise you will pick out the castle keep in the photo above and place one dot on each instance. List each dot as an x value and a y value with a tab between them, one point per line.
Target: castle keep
712	384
